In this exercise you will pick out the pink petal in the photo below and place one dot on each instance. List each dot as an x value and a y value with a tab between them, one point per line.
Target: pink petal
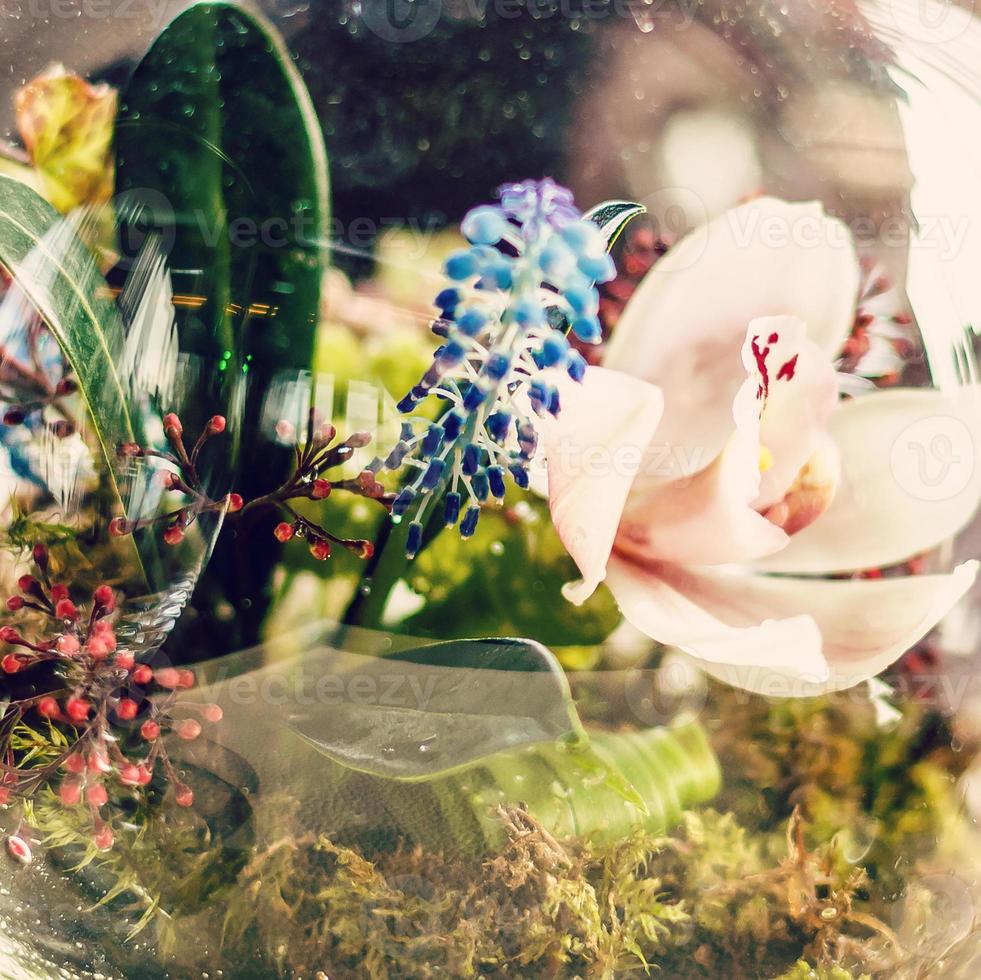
684	327
786	637
911	479
593	451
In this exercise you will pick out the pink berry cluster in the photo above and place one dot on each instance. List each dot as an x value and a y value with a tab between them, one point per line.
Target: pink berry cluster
103	707
318	453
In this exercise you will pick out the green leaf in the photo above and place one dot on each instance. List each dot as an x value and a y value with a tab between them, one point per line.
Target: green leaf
58	275
219	151
612	217
423	712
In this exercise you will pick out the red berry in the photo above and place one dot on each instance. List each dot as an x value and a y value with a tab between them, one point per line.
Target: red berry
98	647
125	660
119	526
320	489
48	708
130	449
172	426
70	791
59	592
14	603
129	774
4	795
174	534
67	644
216	424
9	635
104	598
320	549
284	531
183	795
40	555
213	713
66	610
96	794
11	664
77	708
99	760
188	729
150	730
75	762
126	709
103	837
14	416
167	677
143	674
185	678
28	584
234	502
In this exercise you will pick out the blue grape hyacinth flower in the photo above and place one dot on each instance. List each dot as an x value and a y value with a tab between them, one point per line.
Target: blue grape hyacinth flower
527	279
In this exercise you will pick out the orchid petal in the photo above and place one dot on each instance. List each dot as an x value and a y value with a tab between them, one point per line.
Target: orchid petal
684	327
593	451
787	637
911	479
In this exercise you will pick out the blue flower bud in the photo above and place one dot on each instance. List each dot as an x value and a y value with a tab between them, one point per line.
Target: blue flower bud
587	329
472	321
414	541
484	225
462	265
474	396
495	477
582	236
520	475
451	513
403	501
557	260
394	459
447	301
432	442
471	459
497	366
452	423
584	300
480	485
554	348
576	366
433	474
469	523
554	407
452	352
499	275
440	328
406	432
527	439
527	313
406	403
498	425
599	268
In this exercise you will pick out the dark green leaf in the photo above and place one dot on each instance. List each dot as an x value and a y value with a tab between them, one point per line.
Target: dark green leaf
612	217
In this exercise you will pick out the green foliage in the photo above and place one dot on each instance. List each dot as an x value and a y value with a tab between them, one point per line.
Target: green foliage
507	579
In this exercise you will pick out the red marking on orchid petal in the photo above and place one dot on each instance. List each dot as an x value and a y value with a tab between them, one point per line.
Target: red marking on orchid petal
48	708
213	713
11	664
788	370
19	849
96	794
150	730
70	792
77	709
167	677
216	424
183	795
68	644
188	729
125	660
143	674
174	534
127	709
773	338
103	837
760	357
283	531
